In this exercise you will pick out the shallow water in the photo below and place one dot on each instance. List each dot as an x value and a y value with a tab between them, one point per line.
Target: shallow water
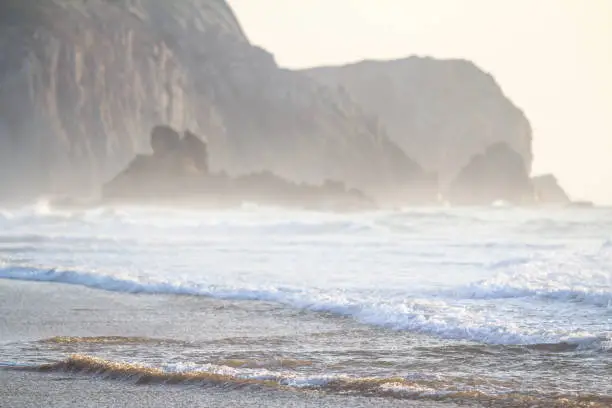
506	305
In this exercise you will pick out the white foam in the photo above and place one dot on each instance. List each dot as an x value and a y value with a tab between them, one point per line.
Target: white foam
285	378
427	316
410	389
564	279
601	297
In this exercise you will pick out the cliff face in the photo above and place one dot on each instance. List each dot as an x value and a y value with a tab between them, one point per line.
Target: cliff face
82	82
441	112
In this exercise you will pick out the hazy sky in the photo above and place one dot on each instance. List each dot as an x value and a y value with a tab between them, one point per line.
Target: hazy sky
553	58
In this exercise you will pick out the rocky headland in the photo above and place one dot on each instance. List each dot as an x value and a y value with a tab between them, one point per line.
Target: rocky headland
83	82
441	112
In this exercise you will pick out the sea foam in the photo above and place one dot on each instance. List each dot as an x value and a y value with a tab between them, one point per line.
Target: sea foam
426	316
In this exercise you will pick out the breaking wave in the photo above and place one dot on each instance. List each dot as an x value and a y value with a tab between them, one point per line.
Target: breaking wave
583	279
414	387
600	298
425	316
509	286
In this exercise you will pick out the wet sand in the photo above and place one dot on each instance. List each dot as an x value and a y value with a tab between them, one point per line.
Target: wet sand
32	390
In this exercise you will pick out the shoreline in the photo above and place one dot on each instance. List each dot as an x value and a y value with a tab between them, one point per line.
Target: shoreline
42	310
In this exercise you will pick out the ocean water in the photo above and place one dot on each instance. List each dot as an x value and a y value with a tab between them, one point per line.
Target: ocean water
496	306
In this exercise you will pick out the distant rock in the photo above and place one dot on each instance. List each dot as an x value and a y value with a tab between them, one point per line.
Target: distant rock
547	190
177	173
497	175
440	112
581	204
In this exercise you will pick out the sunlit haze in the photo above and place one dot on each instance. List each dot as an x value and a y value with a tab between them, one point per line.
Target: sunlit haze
553	58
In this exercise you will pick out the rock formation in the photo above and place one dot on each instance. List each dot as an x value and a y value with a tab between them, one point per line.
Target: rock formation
547	190
441	112
177	172
176	164
499	174
82	82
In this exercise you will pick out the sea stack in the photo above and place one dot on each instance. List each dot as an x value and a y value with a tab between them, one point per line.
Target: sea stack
177	173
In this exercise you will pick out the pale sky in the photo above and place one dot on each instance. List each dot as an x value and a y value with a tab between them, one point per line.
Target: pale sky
553	58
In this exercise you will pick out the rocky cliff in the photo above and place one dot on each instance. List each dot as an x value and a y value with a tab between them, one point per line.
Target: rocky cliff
82	82
441	112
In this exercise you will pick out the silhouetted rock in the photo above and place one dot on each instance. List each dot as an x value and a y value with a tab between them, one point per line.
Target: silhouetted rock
547	190
497	175
164	140
177	173
174	160
196	150
138	175
267	188
440	112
